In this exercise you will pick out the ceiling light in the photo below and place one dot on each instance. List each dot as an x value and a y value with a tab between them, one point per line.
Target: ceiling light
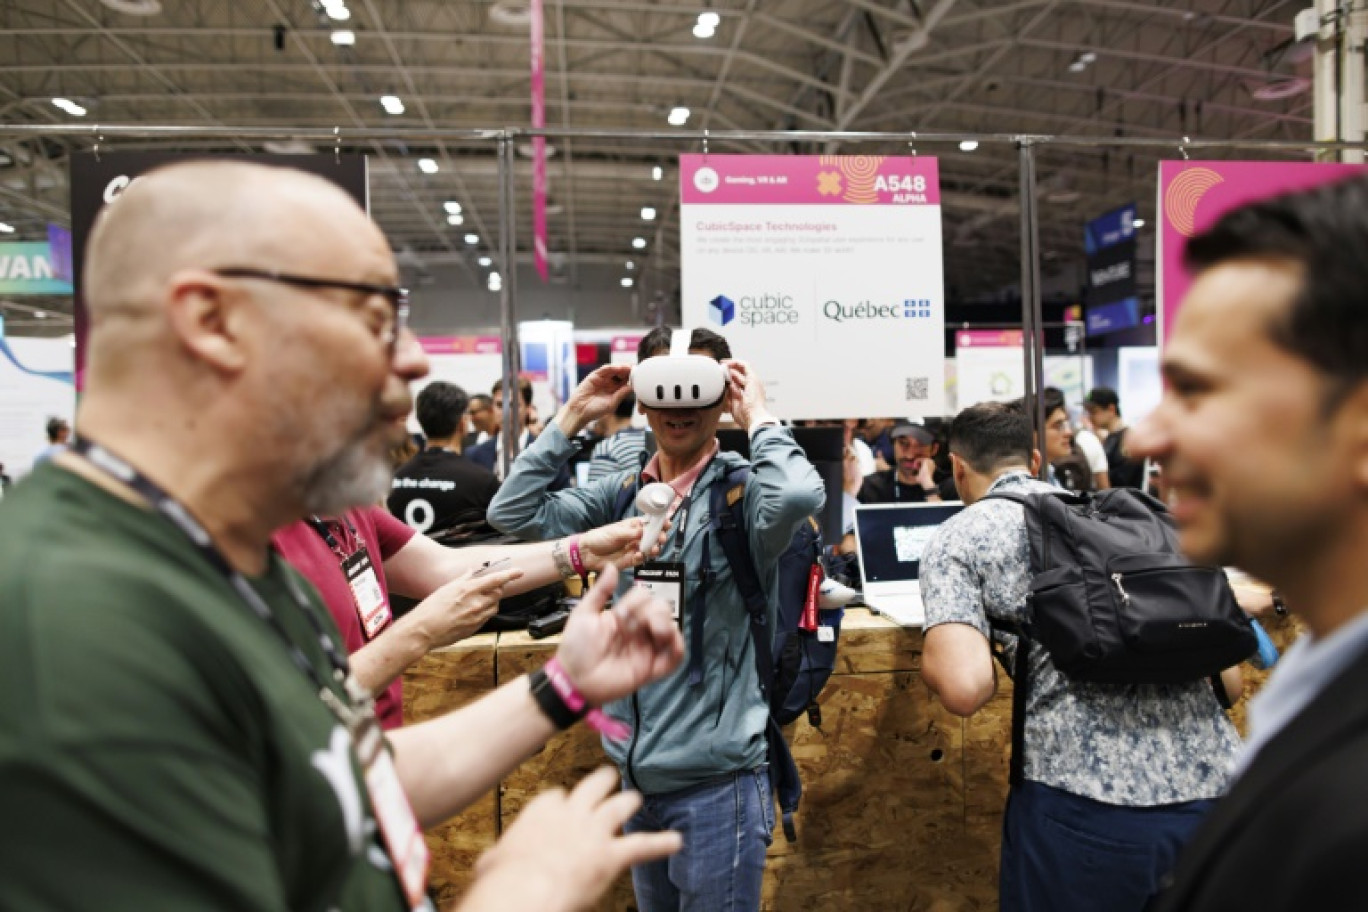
427	165
1138	223
6	228
344	38
1077	66
710	19
472	239
630	265
703	31
452	206
639	243
648	214
392	104
455	218
495	282
70	107
626	282
968	145
678	117
485	261
657	173
287	147
134	7
338	11
40	314
1088	57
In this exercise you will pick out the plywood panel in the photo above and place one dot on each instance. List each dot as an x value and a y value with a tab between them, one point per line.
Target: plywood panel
438	683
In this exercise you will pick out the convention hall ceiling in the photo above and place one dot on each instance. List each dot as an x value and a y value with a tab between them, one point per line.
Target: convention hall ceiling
1215	69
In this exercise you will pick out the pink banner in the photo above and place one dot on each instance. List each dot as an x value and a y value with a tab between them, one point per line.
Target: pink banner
827	180
988	338
538	143
462	345
1193	195
627	343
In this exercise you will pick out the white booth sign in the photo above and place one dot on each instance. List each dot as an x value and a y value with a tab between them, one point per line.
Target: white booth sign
824	272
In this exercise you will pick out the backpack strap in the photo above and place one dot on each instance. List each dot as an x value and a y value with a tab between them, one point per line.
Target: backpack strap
727	505
625	495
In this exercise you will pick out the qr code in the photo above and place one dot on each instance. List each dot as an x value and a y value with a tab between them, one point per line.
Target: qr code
918	389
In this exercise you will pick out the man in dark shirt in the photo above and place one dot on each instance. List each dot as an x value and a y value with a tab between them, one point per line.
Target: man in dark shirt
913	478
440	489
1104	410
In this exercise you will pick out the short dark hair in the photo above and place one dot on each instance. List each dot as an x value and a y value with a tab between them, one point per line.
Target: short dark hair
625	407
657	342
55	426
440	407
991	435
481	399
1053	398
1104	397
1323	230
524	385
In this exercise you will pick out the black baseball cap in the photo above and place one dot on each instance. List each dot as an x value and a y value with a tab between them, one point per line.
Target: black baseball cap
914	429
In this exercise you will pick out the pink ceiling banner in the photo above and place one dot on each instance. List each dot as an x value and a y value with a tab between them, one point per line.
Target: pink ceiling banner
538	142
1193	195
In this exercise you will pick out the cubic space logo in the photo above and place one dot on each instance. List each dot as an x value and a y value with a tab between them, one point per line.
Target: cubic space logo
766	309
722	310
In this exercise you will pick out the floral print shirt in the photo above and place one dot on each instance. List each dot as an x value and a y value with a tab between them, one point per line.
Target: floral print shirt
1136	745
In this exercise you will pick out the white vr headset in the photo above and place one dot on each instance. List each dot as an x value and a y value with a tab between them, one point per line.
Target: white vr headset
679	380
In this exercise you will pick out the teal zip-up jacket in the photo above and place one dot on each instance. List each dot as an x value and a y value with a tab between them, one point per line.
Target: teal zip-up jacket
681	735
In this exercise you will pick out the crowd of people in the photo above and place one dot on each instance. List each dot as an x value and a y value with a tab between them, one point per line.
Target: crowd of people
203	657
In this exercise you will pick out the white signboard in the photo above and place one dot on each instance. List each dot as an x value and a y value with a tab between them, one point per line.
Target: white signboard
35	385
989	366
824	272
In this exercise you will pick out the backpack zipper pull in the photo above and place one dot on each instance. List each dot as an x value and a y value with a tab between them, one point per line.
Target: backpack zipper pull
1125	599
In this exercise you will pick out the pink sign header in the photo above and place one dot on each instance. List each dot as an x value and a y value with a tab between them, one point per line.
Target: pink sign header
988	338
1193	195
627	343
806	180
462	345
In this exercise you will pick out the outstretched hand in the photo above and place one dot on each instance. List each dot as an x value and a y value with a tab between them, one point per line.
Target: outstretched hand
745	393
619	544
609	654
563	851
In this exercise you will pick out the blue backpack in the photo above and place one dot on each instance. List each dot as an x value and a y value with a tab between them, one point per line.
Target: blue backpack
792	663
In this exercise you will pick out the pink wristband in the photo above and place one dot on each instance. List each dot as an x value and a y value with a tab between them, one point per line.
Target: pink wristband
576	560
574	701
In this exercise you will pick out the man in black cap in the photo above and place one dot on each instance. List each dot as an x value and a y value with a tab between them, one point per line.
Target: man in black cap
913	477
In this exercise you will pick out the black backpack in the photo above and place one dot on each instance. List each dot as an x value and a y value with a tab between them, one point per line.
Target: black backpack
793	663
1112	601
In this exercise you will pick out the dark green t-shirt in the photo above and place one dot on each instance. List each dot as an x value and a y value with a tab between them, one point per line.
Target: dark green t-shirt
158	748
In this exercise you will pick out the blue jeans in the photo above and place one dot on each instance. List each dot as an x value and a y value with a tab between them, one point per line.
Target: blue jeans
727	824
1066	853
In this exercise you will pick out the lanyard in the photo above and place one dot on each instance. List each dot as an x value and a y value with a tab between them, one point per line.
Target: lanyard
116	468
341	550
680	520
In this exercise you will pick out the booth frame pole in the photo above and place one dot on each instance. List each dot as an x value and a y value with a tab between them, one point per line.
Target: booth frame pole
508	318
1032	313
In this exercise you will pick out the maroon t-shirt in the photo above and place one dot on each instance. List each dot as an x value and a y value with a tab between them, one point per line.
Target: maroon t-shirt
309	553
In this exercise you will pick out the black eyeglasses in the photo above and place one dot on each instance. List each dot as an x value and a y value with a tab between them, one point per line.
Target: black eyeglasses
398	298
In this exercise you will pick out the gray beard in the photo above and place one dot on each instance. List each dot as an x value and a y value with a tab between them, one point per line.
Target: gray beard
351	477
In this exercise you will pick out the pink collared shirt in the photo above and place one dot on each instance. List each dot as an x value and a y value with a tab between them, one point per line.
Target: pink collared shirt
684	483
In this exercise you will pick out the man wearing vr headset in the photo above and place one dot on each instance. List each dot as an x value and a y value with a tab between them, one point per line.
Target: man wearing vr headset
697	749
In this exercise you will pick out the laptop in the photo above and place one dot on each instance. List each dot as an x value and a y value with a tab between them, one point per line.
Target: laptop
890	539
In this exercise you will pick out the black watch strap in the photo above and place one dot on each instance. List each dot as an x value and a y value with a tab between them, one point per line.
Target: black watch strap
551	703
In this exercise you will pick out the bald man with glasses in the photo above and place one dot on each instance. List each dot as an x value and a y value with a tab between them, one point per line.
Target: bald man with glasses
179	724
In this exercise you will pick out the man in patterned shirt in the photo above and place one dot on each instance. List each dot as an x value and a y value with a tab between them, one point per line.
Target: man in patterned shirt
1115	777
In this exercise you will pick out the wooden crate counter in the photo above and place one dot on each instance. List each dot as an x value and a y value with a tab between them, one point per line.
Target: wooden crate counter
902	804
438	683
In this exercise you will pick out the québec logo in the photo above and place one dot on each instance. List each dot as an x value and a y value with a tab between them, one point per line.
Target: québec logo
908	309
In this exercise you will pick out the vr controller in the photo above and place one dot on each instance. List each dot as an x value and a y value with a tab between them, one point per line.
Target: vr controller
679	380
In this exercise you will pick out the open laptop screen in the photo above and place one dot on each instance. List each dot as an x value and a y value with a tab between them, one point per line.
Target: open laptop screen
892	538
